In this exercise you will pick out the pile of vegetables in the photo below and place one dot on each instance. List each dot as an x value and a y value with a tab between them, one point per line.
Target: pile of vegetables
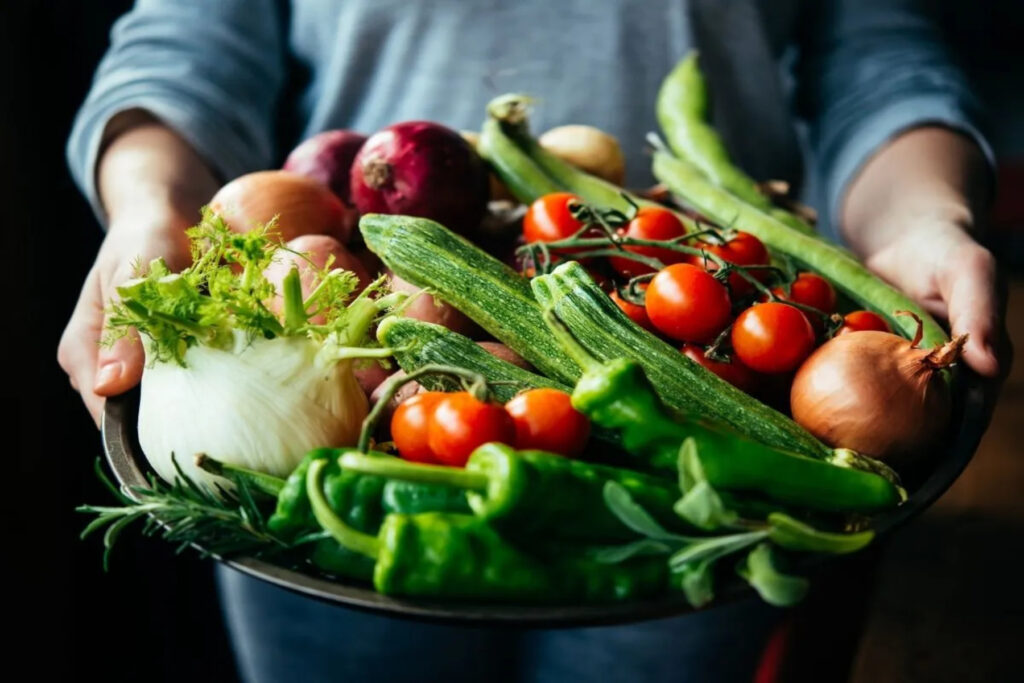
684	386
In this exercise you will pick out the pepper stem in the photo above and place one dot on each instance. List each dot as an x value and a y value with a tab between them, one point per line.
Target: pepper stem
261	481
356	541
474	382
395	468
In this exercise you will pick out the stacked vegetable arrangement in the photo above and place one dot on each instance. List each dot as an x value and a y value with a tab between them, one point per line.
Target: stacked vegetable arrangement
631	441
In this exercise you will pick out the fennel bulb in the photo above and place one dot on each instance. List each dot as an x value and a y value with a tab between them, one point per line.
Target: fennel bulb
228	377
261	404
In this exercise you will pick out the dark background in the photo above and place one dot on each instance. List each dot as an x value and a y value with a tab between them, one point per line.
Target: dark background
154	615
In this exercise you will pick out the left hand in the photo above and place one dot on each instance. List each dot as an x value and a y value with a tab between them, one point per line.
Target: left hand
954	278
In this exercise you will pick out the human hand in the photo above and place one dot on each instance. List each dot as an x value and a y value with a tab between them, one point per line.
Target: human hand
96	371
911	215
954	278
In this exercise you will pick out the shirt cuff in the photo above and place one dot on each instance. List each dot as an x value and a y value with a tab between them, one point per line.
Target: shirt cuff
881	127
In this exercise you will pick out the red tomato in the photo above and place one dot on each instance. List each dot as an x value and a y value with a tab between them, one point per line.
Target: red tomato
650	223
545	420
810	290
634	312
744	250
686	303
410	423
772	337
461	423
548	219
859	321
734	372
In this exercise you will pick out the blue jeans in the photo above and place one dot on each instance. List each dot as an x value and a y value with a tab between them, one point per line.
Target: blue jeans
279	636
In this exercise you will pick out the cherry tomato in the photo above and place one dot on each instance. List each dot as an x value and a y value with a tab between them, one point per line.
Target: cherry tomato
810	290
410	423
744	250
548	219
634	312
650	223
461	423
772	337
686	303
734	372
545	420
860	321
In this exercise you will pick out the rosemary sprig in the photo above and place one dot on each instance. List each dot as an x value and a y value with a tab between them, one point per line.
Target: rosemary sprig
216	522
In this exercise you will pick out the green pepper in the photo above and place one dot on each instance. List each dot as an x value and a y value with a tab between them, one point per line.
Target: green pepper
445	555
533	493
617	395
361	499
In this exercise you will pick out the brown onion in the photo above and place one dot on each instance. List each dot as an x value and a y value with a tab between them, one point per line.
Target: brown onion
876	393
314	251
428	309
302	205
589	149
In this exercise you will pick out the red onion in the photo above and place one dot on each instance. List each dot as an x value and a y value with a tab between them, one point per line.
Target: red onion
421	169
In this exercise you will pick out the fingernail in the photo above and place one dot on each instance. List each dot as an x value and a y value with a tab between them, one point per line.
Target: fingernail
108	374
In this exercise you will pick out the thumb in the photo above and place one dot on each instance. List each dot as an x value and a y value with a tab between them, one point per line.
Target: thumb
119	366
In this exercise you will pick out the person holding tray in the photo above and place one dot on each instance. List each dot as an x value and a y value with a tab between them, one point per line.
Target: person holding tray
192	94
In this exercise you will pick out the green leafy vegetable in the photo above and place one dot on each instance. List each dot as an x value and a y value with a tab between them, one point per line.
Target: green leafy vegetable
224	292
793	534
774	587
700	505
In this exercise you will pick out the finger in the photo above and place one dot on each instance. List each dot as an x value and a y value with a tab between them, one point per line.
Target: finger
970	291
76	352
119	365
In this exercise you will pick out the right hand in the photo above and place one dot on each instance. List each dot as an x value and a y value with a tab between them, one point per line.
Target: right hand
96	371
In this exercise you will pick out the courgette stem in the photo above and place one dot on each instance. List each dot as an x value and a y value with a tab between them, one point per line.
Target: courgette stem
686	180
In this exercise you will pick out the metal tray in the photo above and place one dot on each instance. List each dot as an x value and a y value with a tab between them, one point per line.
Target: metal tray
970	418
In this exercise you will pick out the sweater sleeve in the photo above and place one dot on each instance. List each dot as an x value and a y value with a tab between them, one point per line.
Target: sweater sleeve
868	71
212	71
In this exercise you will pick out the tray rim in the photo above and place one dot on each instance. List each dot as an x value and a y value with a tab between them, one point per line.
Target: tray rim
971	410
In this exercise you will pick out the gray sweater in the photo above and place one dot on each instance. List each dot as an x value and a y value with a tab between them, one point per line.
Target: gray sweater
244	80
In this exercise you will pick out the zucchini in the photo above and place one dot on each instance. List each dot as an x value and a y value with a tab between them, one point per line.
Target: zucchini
844	271
683	385
496	297
416	343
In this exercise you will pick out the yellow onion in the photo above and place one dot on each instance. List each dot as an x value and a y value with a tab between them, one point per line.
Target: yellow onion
302	205
876	393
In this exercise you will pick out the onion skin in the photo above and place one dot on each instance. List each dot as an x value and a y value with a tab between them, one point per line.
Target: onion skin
428	309
423	169
876	393
588	149
327	157
319	248
302	206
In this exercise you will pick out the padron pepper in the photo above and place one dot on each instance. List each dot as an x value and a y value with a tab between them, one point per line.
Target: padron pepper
360	500
617	395
447	555
537	494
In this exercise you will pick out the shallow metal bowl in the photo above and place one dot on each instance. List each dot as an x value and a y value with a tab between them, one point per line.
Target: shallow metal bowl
970	417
